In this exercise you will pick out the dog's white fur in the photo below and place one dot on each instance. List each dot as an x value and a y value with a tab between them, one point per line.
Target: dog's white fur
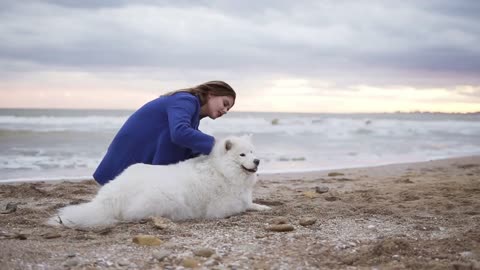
213	186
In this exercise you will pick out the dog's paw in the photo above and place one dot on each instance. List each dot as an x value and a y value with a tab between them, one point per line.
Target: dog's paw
259	207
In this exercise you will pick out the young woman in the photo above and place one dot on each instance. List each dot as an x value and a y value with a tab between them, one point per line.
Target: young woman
165	130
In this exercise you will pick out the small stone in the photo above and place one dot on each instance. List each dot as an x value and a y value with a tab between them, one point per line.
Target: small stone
190	263
462	266
71	263
260	235
466	254
147	240
71	255
10	208
371	226
7	235
211	262
20	236
204	252
322	189
310	194
342	246
335	174
396	257
123	263
102	262
280	228
331	198
307	221
343	179
51	235
160	254
279	220
162	223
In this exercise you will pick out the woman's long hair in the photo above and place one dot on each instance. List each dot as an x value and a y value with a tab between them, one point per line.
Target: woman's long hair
214	88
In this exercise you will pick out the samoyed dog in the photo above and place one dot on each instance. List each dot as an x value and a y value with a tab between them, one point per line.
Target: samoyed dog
213	186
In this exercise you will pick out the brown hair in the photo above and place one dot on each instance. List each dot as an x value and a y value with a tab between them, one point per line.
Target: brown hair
215	88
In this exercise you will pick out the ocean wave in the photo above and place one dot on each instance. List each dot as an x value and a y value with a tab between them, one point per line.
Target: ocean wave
339	128
55	143
47	162
51	123
326	126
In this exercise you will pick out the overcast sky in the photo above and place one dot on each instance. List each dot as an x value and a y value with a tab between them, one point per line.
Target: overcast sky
309	56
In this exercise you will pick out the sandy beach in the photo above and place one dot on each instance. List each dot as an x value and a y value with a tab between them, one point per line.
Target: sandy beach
405	216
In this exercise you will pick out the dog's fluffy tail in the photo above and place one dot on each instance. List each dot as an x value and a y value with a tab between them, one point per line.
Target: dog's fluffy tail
84	216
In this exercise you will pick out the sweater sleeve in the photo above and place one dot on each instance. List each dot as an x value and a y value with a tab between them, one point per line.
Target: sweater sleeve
180	114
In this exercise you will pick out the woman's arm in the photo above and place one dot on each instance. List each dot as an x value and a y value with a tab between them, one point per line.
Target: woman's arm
180	114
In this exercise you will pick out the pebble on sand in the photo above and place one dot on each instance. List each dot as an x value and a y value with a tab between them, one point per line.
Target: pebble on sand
335	174
190	263
279	220
123	262
321	189
51	235
162	223
7	235
307	221
331	198
310	194
204	252
71	263
10	208
160	254
280	228
261	235
147	240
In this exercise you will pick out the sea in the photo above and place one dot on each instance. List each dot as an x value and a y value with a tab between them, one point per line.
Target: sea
54	144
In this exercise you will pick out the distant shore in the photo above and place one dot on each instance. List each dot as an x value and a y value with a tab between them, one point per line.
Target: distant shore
420	215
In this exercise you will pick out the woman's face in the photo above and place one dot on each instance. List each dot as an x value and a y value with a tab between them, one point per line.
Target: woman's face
217	106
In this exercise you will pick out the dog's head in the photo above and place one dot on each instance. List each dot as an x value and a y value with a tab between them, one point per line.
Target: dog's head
235	155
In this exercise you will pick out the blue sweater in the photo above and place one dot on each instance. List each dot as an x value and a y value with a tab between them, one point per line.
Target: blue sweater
163	131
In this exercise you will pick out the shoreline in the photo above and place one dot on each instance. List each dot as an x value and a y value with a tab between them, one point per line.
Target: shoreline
421	215
324	172
261	175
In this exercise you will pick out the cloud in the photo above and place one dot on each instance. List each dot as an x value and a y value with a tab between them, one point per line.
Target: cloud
251	44
277	36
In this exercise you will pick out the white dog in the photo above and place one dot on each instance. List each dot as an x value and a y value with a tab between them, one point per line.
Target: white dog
213	186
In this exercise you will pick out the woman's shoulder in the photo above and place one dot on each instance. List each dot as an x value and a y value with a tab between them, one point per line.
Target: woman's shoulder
184	97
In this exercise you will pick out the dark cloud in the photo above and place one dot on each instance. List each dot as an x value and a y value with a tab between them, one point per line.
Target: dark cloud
303	38
430	59
463	9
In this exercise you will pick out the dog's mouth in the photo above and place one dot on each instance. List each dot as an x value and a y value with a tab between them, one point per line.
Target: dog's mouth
249	170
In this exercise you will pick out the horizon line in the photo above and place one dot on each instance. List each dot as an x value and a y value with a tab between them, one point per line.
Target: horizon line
242	111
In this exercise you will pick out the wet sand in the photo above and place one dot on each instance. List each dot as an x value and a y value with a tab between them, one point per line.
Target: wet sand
406	216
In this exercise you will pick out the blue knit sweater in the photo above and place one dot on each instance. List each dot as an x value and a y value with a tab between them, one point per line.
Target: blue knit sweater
163	131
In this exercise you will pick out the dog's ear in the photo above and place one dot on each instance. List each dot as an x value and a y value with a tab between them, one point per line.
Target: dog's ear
228	145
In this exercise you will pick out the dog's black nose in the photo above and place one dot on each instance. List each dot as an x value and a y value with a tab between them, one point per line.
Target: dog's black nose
256	161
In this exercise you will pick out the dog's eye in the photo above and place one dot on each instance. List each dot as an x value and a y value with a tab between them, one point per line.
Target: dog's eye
242	154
